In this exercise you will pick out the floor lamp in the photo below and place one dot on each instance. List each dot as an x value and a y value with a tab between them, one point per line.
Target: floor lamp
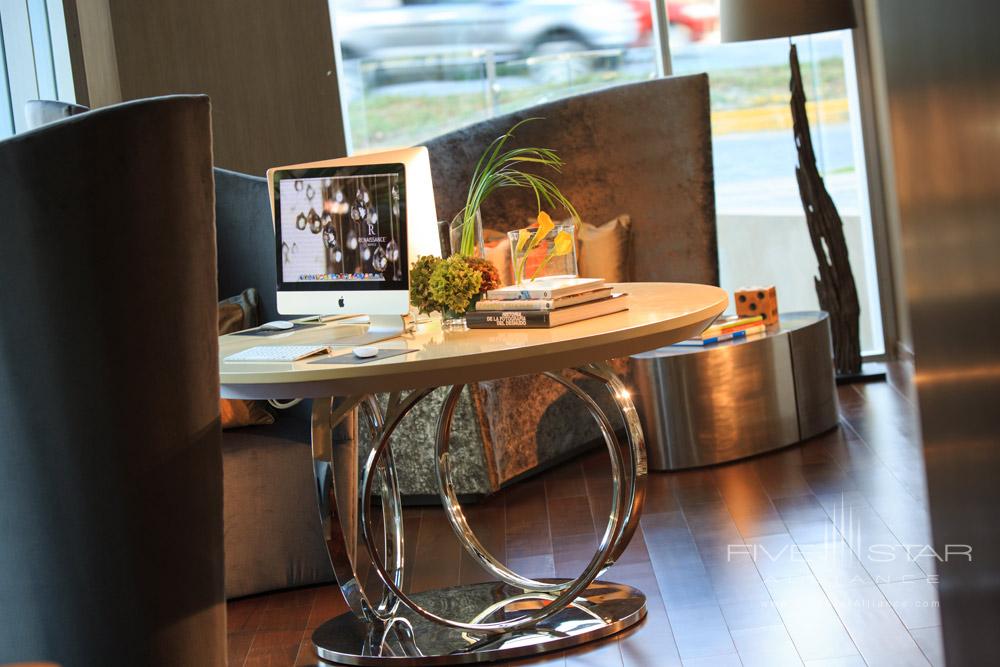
744	20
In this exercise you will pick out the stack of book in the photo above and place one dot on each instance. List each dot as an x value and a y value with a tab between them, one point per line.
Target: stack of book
544	303
732	329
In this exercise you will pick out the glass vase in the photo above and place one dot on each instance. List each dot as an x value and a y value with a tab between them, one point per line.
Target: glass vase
467	240
551	255
455	321
452	321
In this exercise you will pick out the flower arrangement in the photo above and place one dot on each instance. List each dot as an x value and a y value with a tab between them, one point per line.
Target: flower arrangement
498	168
450	286
548	241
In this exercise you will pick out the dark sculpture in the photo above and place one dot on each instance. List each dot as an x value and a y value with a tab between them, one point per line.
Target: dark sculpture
835	286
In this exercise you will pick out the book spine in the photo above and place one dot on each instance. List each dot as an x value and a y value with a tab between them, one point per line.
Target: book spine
521	295
507	319
512	304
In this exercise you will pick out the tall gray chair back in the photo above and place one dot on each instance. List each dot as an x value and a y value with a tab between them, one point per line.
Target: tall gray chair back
644	149
42	112
245	247
245	239
110	464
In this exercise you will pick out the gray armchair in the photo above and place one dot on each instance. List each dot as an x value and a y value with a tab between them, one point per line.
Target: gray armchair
110	464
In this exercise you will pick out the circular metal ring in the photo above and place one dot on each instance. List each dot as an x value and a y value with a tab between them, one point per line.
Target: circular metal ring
328	415
565	597
548	597
392	513
453	508
638	468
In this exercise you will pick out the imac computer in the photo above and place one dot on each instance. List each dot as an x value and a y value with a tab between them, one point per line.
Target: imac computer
346	231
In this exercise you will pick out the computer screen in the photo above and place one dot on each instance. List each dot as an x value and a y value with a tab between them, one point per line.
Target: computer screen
348	229
341	228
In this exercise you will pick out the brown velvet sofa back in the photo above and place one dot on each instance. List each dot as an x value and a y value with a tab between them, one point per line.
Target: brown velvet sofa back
644	149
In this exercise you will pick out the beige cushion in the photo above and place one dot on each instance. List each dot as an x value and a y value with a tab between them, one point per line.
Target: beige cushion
236	314
497	247
604	252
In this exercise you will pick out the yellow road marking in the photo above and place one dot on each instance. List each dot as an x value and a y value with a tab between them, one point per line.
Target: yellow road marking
776	117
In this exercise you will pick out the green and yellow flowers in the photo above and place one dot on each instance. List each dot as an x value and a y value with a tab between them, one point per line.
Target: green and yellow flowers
528	243
498	168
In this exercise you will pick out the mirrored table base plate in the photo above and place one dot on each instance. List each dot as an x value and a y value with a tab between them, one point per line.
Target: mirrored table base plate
409	639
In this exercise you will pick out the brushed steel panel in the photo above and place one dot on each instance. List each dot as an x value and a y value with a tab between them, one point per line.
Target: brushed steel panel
815	387
701	406
942	75
715	405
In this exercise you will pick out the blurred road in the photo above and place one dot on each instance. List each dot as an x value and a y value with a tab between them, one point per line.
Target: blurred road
755	171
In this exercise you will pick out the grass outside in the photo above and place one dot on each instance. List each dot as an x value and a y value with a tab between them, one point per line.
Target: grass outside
743	100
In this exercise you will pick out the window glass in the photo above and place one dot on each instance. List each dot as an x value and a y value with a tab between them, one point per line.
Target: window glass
763	237
34	59
414	69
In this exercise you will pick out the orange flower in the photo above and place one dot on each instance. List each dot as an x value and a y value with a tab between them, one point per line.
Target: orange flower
522	237
563	244
545	226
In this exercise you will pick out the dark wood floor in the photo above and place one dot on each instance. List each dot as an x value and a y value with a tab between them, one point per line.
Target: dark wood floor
798	557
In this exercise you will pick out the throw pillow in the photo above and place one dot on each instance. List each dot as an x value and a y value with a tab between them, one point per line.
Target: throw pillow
604	252
236	314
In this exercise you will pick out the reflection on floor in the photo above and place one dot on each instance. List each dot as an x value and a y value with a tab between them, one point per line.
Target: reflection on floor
812	555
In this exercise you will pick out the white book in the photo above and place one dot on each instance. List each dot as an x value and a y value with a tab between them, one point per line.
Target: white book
543	304
545	288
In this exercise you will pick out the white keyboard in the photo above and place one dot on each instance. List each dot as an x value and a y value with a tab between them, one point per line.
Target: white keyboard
277	353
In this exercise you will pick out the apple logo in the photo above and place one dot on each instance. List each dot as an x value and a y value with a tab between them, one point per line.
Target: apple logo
340	302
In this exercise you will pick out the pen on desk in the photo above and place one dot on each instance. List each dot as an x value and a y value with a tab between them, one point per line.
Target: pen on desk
742	333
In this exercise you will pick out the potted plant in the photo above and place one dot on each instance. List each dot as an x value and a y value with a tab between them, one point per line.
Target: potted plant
502	167
450	286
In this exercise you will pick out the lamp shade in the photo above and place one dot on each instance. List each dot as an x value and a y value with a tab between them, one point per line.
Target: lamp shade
744	20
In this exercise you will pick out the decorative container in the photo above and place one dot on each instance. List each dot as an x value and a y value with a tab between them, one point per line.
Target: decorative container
543	252
452	321
467	241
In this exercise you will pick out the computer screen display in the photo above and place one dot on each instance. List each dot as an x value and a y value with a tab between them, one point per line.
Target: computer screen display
341	228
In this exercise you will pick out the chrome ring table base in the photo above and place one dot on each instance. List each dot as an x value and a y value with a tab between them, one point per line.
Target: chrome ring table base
607	609
498	620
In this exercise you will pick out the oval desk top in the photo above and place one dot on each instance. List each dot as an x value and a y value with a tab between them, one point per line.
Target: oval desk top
658	314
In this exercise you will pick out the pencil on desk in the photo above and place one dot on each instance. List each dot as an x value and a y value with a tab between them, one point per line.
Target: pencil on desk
742	333
726	327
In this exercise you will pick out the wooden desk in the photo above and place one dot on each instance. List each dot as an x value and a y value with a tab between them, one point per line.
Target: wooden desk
514	615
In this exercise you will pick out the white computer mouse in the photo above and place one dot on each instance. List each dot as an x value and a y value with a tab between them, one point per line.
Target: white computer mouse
365	352
277	325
